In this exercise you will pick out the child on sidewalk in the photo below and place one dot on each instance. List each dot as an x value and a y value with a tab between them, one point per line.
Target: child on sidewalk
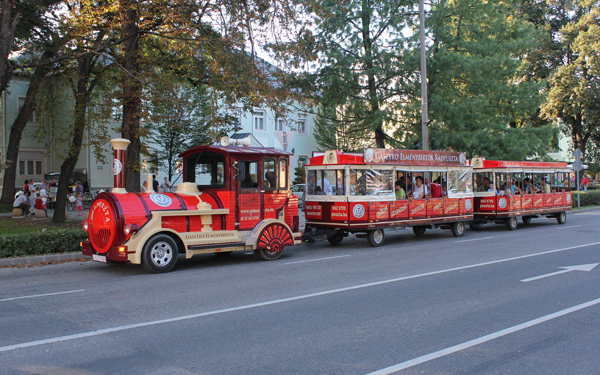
79	205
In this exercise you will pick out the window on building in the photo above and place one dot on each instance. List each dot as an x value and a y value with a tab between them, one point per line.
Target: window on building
280	124
302	160
21	103
259	121
30	164
302	123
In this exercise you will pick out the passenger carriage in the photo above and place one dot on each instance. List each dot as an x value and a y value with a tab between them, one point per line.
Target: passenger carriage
355	193
232	198
507	190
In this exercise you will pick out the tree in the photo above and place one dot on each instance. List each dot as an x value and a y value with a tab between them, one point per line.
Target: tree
478	100
574	93
18	20
357	48
333	131
178	119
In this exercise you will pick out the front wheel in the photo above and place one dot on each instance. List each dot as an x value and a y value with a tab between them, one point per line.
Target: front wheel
419	231
375	237
561	217
458	229
159	254
511	223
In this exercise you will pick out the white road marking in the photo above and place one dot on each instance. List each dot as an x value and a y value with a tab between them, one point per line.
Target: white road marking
476	239
42	295
275	302
587	213
581	267
316	260
482	339
572	226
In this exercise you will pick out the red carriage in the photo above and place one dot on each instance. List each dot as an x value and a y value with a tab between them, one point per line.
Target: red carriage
507	190
356	193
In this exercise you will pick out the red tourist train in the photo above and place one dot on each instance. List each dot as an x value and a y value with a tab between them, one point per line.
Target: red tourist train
232	198
384	188
507	190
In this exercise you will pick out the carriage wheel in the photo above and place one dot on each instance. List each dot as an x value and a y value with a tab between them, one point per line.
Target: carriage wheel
511	223
457	229
375	237
561	217
336	238
271	241
475	225
419	231
526	219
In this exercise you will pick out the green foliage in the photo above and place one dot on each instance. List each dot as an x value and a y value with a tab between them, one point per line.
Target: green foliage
44	242
300	175
574	94
588	198
358	50
334	131
478	102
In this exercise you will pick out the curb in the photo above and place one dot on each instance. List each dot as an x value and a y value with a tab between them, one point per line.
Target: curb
42	259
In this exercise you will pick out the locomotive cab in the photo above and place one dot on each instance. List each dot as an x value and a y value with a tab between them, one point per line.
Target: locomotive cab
232	199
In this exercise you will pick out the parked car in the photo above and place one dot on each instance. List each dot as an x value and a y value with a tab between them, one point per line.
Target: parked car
298	190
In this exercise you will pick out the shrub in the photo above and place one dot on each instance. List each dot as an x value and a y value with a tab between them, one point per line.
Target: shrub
44	242
587	198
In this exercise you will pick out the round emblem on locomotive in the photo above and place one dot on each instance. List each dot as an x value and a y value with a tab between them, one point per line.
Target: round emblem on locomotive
161	200
502	202
117	166
358	211
462	158
468	205
369	155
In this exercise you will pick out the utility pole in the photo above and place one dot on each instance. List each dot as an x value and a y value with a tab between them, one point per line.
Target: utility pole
425	119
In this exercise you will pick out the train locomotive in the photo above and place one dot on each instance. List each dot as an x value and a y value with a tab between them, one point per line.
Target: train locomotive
232	199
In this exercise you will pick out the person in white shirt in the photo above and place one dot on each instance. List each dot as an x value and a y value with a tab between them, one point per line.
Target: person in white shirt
420	191
22	202
165	186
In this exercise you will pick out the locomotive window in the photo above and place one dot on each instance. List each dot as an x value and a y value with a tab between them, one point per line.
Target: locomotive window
283	173
248	174
270	174
206	170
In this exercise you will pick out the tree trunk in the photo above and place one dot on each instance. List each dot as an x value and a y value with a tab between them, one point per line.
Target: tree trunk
82	96
132	91
16	131
8	25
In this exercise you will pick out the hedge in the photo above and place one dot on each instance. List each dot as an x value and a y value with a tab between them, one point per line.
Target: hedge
587	198
45	242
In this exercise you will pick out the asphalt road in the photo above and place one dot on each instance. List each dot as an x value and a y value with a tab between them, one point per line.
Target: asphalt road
490	302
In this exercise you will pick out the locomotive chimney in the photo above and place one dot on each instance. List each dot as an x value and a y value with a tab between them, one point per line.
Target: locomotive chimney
119	145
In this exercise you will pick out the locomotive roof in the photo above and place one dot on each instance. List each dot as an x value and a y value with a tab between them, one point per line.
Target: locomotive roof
264	151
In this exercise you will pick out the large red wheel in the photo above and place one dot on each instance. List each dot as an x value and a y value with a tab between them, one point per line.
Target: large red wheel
271	241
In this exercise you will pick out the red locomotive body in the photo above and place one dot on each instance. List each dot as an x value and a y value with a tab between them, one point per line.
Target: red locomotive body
506	190
232	198
366	193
